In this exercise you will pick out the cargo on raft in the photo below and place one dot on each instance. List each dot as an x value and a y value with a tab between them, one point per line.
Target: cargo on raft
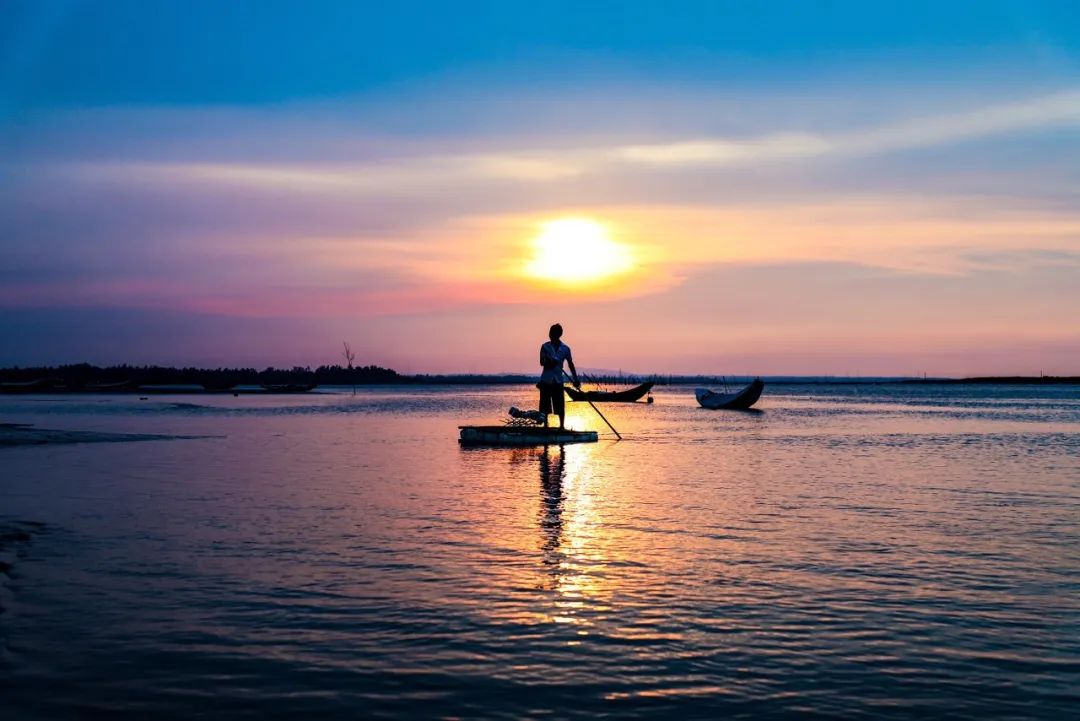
522	436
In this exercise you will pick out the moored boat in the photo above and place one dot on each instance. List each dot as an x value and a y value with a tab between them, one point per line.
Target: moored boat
527	435
41	384
289	387
629	395
127	385
740	400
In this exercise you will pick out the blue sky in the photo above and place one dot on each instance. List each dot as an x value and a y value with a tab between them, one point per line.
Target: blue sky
63	54
898	179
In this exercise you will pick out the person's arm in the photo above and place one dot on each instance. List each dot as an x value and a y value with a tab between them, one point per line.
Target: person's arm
573	370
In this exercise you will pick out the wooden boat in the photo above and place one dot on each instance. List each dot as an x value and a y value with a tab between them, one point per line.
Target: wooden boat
738	401
41	384
107	387
522	436
289	387
627	396
59	385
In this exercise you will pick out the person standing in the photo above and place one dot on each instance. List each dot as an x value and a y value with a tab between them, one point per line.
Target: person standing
552	355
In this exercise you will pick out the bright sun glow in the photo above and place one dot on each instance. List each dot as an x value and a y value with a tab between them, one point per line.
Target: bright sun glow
577	251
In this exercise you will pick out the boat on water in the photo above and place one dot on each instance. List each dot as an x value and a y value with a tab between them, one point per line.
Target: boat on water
630	395
41	384
127	385
289	387
740	400
522	435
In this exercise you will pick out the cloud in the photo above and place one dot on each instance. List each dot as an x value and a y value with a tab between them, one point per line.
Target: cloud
304	219
776	318
1048	111
1057	109
414	175
1024	258
718	151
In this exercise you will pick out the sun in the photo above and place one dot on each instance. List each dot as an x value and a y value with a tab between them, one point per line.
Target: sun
577	251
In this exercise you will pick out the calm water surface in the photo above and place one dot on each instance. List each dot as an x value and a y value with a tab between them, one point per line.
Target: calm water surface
850	551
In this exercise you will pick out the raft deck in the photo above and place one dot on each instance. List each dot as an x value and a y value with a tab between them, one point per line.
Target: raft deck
522	436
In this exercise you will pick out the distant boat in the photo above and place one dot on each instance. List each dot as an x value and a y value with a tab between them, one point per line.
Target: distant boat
118	386
289	387
41	384
627	396
738	401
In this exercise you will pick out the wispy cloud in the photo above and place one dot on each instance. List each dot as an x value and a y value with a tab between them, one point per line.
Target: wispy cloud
1058	109
409	177
715	151
420	174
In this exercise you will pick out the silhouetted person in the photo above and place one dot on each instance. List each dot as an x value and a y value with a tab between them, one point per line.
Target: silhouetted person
552	355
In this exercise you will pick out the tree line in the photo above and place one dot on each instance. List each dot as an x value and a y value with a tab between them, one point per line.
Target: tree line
82	374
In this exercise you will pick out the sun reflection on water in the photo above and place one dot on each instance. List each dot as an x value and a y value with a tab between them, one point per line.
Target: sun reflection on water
570	535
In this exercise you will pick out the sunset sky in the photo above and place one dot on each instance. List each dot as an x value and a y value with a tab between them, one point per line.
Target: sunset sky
726	187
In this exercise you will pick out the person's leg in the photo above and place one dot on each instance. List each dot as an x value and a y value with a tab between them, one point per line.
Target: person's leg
559	399
545	402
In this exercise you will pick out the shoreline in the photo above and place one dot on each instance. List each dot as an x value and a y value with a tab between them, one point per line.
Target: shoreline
481	380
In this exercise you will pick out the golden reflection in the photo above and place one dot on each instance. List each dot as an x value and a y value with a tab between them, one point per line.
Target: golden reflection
572	574
570	536
552	474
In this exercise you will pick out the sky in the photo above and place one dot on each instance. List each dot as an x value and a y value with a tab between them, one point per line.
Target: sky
847	188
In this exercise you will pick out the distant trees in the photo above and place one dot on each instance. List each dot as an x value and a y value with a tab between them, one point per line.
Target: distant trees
82	374
357	375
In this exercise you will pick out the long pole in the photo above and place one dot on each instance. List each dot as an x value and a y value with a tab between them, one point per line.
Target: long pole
605	420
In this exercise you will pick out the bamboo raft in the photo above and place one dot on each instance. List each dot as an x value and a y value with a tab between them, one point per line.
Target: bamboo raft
510	435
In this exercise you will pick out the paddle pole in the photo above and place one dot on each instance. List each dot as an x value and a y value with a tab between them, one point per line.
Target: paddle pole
605	420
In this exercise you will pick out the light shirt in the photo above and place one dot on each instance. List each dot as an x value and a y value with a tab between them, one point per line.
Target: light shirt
560	354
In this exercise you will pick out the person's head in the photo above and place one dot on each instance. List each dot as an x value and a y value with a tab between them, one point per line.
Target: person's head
555	333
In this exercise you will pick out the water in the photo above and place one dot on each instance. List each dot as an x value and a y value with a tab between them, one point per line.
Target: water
850	551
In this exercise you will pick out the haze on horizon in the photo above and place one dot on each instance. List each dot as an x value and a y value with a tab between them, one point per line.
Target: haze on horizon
759	188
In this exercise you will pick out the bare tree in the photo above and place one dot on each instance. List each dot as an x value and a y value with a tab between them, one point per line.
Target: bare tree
349	358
